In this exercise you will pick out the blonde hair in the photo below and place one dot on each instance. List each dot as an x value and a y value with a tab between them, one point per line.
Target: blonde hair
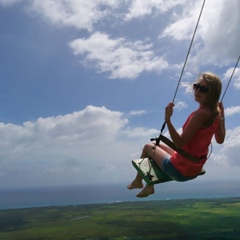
215	88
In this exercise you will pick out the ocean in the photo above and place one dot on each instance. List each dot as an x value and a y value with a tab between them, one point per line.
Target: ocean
110	193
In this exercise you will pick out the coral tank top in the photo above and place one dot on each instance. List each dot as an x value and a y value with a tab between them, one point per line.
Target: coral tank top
197	147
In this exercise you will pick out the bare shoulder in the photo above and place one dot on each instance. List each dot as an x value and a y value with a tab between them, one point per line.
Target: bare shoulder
205	117
201	117
202	113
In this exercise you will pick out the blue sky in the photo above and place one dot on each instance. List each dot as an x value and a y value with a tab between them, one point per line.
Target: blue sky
84	84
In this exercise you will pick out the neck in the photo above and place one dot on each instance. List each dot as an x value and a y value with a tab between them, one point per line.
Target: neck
202	105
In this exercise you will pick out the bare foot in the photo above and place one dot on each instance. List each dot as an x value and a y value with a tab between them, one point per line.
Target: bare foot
149	189
135	184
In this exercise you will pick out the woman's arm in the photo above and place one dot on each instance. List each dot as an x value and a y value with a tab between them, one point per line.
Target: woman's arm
220	132
193	125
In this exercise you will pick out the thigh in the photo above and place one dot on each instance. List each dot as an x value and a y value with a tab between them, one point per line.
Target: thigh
167	149
158	155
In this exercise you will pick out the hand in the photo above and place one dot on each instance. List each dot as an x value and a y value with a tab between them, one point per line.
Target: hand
221	108
169	111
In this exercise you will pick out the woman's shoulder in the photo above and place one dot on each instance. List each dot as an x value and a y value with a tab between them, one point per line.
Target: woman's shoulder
206	116
202	113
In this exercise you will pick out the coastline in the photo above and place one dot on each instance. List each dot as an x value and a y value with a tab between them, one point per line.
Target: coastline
110	193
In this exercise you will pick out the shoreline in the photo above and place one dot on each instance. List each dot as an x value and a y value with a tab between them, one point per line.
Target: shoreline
111	193
204	199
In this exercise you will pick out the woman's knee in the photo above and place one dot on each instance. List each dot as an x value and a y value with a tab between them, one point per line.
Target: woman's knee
147	149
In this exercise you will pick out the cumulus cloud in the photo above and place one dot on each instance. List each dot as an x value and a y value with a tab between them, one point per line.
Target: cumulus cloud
122	58
232	110
183	24
141	132
139	8
73	13
212	45
94	141
229	153
60	138
85	14
187	86
93	124
214	38
137	113
179	105
220	47
232	145
235	77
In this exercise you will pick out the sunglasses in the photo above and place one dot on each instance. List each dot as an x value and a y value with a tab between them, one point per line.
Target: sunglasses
202	89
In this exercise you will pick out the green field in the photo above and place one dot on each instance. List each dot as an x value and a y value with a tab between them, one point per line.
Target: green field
174	219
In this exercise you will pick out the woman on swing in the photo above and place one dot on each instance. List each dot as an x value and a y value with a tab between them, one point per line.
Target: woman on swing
198	130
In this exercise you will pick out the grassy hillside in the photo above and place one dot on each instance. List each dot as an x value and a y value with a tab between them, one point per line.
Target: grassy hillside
175	219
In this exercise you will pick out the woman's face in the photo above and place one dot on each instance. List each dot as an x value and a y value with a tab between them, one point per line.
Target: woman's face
201	91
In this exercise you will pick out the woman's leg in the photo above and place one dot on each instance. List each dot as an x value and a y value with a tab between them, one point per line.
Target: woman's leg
157	154
137	182
166	148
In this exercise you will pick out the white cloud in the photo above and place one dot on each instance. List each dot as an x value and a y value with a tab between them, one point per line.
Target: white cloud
79	127
69	149
220	46
231	147
139	8
227	154
232	110
85	14
188	86
180	105
183	23
74	13
212	44
235	77
49	142
141	132
137	113
123	59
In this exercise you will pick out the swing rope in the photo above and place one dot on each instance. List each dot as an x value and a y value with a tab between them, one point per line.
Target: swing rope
230	78
189	49
184	65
